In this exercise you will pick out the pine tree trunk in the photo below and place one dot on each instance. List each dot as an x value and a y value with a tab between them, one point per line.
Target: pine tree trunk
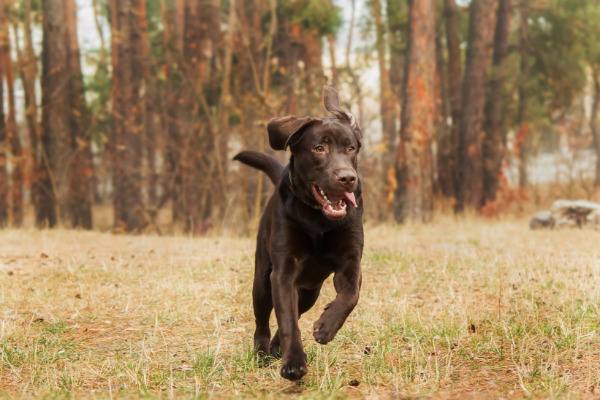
523	133
494	143
148	100
56	145
454	86
173	180
445	155
594	122
414	194
470	171
386	96
81	188
12	133
127	134
334	73
4	178
397	45
28	72
195	168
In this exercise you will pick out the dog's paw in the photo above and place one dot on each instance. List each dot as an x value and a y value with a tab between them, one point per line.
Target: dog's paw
264	360
294	367
324	330
275	347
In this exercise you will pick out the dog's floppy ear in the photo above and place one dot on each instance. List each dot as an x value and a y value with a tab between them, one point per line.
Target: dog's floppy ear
332	104
285	131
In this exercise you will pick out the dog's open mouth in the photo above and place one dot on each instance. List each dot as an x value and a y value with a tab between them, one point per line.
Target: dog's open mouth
333	205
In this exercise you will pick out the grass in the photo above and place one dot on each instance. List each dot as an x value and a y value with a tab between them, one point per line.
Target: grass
458	308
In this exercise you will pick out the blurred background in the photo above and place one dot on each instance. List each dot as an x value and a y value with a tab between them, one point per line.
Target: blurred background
124	115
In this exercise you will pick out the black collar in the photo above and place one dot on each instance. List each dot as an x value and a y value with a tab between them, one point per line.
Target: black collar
288	181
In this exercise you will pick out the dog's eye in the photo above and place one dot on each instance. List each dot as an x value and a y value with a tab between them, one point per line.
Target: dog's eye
319	149
351	148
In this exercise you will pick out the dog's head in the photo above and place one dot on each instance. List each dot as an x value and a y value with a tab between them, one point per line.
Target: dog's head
324	155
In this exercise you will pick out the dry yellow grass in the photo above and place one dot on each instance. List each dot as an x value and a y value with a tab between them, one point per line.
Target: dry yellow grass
457	308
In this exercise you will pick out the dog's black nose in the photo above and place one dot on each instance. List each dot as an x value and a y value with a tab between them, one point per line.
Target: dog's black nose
347	178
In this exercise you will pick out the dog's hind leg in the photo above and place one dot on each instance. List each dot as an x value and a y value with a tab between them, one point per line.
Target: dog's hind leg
306	299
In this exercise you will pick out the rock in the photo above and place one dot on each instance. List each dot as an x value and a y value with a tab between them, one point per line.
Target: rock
542	219
578	213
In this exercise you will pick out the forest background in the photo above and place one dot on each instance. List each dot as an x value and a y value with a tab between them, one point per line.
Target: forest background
487	106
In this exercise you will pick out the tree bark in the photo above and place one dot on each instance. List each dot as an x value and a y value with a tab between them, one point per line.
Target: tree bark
445	156
127	134
56	146
81	188
397	45
28	73
494	143
594	121
173	180
470	171
12	133
454	85
4	177
414	194
386	96
523	132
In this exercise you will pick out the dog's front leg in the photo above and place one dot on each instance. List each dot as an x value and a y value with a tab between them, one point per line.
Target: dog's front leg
347	284
285	302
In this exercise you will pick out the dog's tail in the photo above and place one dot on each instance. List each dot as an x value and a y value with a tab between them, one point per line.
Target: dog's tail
263	162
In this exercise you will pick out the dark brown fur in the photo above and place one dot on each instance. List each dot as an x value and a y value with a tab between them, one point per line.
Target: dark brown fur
299	246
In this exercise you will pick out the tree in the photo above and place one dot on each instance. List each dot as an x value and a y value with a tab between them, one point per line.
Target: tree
523	127
55	119
126	142
454	86
414	194
445	146
494	142
4	178
27	68
80	191
387	103
470	168
594	121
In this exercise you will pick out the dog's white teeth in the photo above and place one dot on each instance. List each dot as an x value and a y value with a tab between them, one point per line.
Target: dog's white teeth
343	206
322	192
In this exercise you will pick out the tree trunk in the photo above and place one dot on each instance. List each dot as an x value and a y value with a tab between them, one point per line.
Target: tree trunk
523	133
334	73
28	72
81	188
148	101
386	96
173	181
414	194
12	133
397	45
4	178
494	143
594	121
195	165
127	134
470	171
56	146
454	85
445	156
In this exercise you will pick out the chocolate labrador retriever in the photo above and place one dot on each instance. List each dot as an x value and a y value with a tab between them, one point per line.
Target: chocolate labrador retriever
311	228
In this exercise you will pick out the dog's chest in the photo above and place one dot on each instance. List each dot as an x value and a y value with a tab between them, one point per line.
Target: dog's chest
316	266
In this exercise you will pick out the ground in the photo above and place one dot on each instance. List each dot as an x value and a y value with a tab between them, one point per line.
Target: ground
457	308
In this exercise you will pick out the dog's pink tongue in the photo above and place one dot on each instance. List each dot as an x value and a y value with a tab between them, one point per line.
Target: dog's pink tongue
351	198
